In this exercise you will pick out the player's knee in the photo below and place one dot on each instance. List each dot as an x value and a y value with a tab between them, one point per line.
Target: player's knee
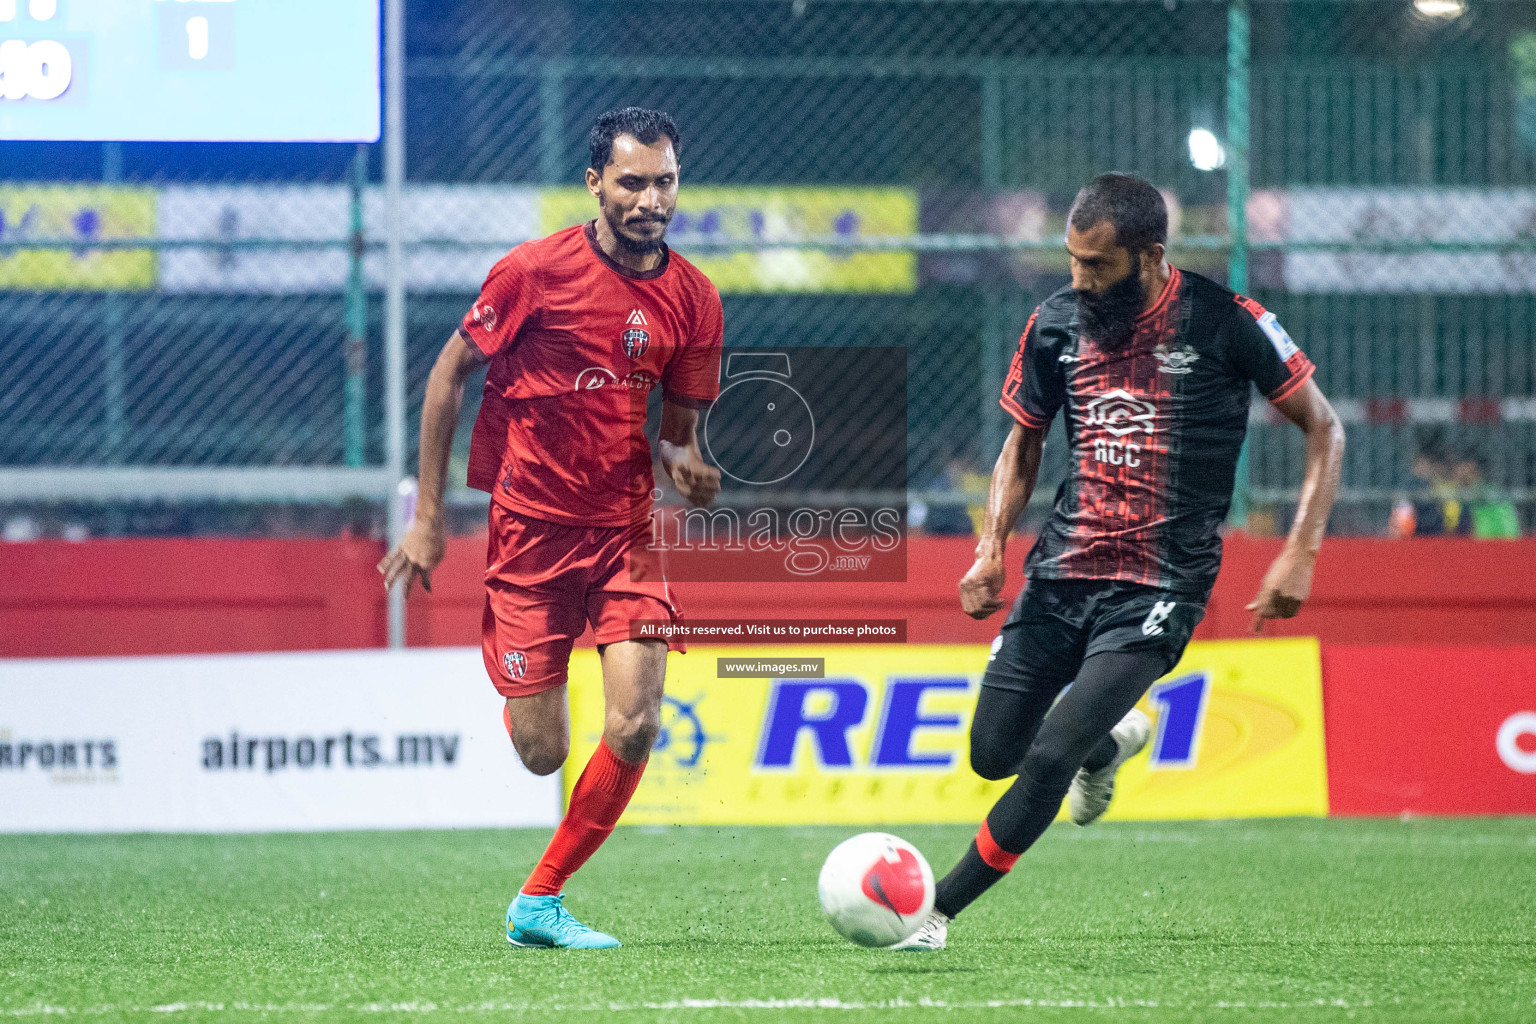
543	756
1050	763
992	760
631	735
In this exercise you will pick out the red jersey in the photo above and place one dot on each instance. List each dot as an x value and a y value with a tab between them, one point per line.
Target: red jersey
576	343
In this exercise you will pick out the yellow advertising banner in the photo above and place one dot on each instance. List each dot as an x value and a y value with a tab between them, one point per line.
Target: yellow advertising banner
882	738
775	221
84	213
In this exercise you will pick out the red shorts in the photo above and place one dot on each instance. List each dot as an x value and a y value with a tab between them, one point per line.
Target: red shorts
545	581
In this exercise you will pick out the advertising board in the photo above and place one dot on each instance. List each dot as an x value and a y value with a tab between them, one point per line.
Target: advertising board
1431	730
772	223
261	742
880	737
84	213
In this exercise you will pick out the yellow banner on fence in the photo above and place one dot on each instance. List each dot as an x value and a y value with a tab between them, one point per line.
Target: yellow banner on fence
882	739
774	220
84	213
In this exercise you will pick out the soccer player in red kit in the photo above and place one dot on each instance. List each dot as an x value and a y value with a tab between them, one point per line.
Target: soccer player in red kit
578	328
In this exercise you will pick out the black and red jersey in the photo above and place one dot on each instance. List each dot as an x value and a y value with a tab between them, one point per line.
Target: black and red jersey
1155	429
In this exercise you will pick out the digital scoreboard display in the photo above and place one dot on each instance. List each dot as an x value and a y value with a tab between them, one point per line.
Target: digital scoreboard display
190	70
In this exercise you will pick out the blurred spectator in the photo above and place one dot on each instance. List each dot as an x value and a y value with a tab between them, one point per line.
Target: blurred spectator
954	520
1485	514
1417	512
1449	497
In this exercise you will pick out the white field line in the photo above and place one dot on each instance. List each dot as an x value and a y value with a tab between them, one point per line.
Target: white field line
1320	837
678	1004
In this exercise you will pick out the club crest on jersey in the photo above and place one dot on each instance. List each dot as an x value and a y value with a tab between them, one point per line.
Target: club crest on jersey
1120	413
516	663
635	341
484	314
1179	360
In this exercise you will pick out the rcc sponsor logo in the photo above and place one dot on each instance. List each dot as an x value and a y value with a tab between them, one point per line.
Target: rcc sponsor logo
1121	414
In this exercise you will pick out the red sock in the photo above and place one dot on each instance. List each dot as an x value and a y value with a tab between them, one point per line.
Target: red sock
600	796
997	858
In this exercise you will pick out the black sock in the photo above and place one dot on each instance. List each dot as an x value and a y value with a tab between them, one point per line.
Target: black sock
1107	686
1102	754
965	882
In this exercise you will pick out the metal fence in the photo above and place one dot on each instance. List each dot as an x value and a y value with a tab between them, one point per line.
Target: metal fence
867	173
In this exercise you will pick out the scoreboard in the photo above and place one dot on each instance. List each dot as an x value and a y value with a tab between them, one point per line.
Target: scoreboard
190	70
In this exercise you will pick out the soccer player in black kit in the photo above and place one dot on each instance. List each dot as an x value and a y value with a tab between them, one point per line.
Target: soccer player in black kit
1152	368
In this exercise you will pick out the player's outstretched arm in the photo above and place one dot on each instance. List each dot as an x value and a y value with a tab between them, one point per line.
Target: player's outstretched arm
696	480
419	552
1013	481
1289	579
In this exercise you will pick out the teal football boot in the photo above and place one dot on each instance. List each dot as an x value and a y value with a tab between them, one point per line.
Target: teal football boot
543	922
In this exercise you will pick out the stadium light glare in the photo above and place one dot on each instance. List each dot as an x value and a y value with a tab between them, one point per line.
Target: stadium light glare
1446	9
1206	151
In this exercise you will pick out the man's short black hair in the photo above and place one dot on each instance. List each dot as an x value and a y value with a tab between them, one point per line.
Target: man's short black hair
1131	204
648	126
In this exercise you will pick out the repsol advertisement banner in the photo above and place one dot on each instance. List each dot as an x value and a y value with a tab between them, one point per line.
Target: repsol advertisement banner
343	740
857	735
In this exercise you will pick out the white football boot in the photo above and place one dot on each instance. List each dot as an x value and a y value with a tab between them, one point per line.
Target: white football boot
929	937
1091	791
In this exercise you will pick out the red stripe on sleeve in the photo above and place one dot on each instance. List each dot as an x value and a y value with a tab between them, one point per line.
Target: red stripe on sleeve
1017	412
1300	377
1015	381
1254	309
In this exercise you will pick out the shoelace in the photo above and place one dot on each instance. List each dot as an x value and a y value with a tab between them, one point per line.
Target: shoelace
565	920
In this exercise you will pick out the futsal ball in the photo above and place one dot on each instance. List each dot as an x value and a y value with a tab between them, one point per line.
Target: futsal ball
876	889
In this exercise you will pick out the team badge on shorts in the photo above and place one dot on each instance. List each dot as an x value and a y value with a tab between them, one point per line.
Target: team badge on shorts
516	662
636	342
1153	624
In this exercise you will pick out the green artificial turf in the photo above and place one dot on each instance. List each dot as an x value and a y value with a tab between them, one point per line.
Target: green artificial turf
1426	920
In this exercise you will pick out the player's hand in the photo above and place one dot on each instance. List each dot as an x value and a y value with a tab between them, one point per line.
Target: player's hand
981	588
1286	586
696	480
418	554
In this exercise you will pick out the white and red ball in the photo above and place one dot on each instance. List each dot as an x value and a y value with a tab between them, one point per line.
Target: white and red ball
876	889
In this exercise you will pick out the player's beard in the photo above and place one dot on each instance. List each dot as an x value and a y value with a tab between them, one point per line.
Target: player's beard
629	243
1109	318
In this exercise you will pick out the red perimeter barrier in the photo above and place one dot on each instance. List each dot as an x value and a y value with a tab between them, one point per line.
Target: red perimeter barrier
1430	730
198	596
188	597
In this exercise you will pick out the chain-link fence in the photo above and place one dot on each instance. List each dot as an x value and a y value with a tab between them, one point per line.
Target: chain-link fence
857	174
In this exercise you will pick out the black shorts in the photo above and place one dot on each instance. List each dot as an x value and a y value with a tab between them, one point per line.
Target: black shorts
1055	624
